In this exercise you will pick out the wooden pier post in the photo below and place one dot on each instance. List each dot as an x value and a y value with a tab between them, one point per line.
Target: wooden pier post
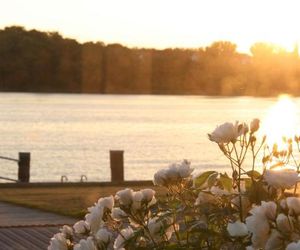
117	165
24	167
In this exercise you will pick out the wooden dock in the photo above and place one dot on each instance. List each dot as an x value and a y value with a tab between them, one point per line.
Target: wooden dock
28	229
26	238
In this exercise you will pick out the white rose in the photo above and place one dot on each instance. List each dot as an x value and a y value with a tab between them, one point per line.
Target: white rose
120	240
148	194
283	223
172	173
259	226
244	128
254	125
267	209
160	177
270	209
58	242
137	200
107	202
284	178
125	196
237	229
275	241
258	223
67	231
94	218
293	204
283	204
81	227
118	214
184	169
87	244
104	235
293	246
154	226
225	133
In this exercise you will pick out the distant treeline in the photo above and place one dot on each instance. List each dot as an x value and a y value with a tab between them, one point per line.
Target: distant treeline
34	61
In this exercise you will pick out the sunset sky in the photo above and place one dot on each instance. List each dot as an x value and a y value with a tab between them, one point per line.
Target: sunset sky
161	23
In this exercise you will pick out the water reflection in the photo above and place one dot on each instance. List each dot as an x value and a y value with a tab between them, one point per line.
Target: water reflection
280	121
72	134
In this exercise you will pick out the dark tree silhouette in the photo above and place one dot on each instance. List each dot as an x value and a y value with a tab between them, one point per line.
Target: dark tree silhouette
34	61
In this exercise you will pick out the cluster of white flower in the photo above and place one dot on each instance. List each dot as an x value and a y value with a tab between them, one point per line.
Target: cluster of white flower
102	227
92	227
247	210
275	226
135	200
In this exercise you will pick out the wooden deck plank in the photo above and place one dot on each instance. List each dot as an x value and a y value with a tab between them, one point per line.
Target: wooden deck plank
11	215
26	238
28	229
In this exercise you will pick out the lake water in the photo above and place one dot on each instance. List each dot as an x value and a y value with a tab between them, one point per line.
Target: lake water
72	134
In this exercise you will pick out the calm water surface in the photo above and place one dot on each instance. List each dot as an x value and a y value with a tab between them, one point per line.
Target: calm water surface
72	134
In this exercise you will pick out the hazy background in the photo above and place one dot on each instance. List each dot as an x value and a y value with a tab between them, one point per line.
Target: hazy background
161	24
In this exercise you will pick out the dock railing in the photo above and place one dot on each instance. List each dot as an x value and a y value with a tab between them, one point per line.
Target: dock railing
23	167
116	166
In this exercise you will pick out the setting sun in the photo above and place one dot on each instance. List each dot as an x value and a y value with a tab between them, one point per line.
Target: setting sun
280	121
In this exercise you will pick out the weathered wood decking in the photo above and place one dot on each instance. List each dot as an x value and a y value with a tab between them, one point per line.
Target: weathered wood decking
28	229
26	238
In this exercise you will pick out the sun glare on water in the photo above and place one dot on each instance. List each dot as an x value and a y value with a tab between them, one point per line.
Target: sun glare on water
280	121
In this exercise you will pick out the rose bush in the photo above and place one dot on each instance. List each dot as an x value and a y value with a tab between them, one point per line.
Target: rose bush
244	209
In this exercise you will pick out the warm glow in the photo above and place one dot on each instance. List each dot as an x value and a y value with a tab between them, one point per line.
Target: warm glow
156	23
280	121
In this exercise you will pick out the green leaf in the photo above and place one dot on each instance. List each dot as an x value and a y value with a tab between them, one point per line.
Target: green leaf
202	178
253	174
172	246
212	179
258	193
226	182
248	184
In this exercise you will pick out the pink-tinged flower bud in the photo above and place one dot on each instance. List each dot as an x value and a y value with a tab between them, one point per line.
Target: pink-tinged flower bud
254	125
283	223
293	204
